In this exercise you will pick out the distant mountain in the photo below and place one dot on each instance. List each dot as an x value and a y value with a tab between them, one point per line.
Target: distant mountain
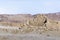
54	16
15	17
24	17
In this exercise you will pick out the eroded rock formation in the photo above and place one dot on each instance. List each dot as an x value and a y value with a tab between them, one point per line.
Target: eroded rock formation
33	23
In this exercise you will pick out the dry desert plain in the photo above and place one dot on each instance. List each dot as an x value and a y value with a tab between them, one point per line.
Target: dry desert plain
30	27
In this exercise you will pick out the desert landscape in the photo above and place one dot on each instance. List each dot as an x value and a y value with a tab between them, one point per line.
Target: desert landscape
30	27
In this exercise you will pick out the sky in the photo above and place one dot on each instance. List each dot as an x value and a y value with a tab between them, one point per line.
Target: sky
29	6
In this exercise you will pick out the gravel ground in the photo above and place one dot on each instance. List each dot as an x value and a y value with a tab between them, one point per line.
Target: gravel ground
27	37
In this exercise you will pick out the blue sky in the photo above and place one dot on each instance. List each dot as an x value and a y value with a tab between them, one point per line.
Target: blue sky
29	6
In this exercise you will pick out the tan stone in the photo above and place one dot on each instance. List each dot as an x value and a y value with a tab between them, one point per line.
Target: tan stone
38	20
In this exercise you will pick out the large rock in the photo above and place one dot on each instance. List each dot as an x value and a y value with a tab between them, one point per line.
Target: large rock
38	20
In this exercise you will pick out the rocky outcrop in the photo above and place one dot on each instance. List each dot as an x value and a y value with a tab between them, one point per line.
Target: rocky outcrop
38	23
38	20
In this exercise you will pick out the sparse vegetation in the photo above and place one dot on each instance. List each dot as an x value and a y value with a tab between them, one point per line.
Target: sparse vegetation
38	23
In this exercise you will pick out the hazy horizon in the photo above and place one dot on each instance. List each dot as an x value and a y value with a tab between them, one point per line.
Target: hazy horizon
29	6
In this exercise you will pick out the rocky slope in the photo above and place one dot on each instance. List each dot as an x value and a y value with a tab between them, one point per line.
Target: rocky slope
26	23
30	27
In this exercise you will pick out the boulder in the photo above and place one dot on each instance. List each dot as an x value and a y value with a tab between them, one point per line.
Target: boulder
38	20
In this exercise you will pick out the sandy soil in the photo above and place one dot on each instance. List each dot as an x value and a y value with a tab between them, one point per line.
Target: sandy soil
28	37
52	35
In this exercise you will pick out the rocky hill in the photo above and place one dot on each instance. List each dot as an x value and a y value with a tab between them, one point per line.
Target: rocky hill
30	27
27	23
54	16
